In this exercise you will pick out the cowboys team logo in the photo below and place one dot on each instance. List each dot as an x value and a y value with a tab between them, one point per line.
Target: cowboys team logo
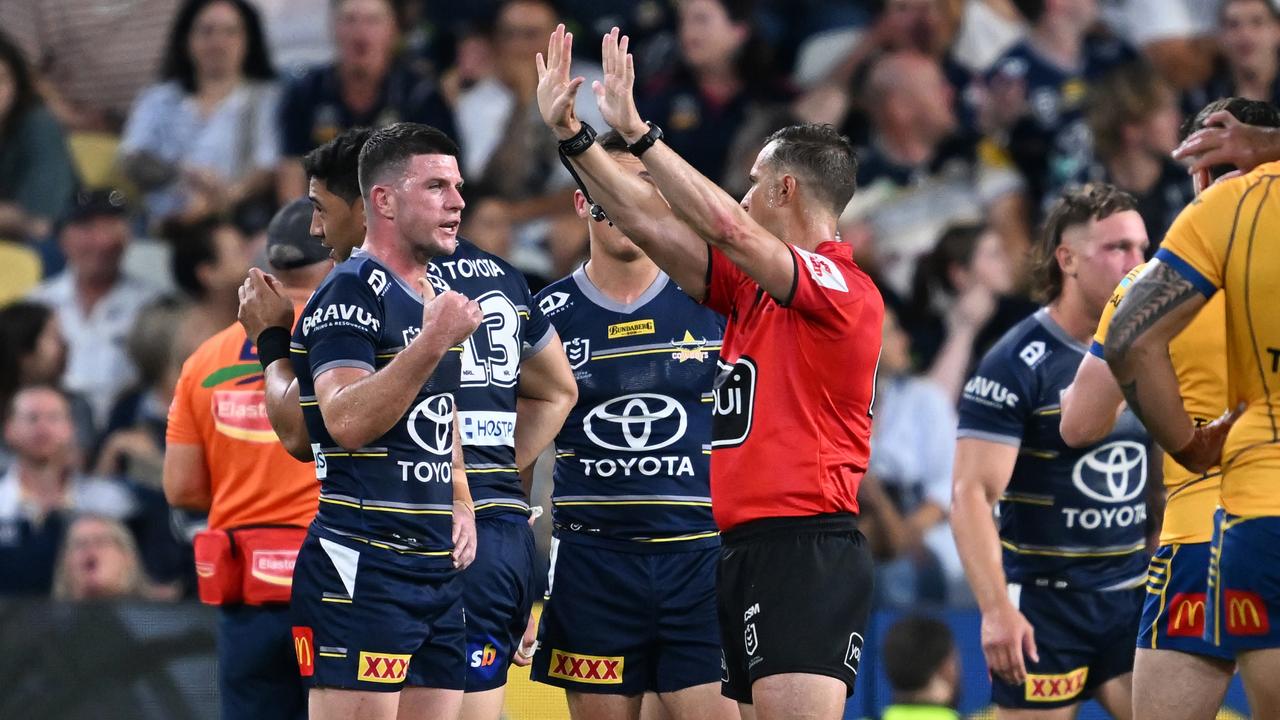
578	350
689	348
431	424
1112	473
645	421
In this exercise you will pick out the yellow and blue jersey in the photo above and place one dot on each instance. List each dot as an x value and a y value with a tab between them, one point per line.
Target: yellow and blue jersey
1070	517
1225	242
513	329
1199	359
397	492
633	459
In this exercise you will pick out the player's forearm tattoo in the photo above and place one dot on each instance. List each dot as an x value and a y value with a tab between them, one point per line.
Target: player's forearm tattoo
1153	295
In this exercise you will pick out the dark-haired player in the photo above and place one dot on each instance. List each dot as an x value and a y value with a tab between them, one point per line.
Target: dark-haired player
376	596
1058	571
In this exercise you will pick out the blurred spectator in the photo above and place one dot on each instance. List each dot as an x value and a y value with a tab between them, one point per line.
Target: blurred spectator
37	179
368	85
485	223
1134	118
923	668
912	443
134	438
33	352
91	57
506	149
724	74
1248	63
205	140
43	490
1176	36
99	561
299	32
961	303
1037	92
919	176
210	260
987	29
95	301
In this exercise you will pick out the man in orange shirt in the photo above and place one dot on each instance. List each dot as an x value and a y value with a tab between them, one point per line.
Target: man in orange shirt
223	457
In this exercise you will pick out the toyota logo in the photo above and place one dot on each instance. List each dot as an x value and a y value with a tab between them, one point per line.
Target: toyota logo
437	411
1113	473
635	417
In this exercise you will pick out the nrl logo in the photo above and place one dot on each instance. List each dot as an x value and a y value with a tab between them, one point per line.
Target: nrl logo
578	350
689	348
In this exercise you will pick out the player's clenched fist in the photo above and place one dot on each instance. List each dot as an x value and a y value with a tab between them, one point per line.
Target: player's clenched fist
450	317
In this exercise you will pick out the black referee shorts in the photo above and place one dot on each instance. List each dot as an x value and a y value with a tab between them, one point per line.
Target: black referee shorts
794	595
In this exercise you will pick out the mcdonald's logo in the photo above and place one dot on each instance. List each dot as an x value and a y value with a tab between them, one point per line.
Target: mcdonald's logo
304	646
1186	615
1246	613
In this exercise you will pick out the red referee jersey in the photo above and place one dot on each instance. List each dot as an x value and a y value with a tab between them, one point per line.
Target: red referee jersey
792	424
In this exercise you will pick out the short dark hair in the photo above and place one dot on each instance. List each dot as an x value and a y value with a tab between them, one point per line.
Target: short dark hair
393	145
178	64
1032	10
1249	112
823	157
1077	206
913	650
337	163
613	143
193	245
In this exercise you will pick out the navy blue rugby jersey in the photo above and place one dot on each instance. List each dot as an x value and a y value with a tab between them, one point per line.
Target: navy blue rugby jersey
1069	517
513	329
633	460
397	493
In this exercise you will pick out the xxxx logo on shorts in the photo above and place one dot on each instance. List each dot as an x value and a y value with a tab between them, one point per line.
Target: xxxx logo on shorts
383	667
586	668
1053	688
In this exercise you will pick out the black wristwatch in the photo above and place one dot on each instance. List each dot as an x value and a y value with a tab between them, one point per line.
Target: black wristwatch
646	141
579	143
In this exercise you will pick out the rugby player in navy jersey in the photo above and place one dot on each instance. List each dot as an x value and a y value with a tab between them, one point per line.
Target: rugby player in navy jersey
1059	570
515	390
631	500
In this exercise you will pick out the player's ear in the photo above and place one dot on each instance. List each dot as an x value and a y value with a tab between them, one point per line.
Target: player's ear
580	204
1066	258
384	201
787	189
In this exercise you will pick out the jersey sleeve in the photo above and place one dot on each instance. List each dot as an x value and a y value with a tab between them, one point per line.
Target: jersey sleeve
827	289
343	327
181	428
723	280
996	402
1196	244
1099	344
537	328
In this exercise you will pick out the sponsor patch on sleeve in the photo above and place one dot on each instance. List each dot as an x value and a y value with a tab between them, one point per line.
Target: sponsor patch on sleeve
823	270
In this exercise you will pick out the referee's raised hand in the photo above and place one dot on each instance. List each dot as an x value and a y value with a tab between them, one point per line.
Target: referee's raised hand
614	94
556	89
1007	641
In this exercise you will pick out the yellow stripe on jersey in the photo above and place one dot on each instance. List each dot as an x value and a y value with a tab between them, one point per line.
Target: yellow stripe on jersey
1055	552
1225	242
1199	360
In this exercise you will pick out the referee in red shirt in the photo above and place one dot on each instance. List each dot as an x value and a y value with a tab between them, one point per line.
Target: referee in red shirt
793	402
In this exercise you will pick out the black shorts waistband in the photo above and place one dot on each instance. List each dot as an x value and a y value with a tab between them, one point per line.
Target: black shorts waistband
841	522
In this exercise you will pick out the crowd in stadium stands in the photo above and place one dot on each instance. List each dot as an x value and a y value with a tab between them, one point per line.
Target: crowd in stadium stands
145	144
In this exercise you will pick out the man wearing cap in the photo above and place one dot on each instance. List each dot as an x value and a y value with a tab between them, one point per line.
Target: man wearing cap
95	300
222	457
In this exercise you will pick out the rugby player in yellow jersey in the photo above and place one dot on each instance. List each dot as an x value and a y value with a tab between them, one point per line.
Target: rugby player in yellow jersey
1222	241
1177	673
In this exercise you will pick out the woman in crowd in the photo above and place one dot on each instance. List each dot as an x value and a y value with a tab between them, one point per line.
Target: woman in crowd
205	140
33	352
37	178
99	561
